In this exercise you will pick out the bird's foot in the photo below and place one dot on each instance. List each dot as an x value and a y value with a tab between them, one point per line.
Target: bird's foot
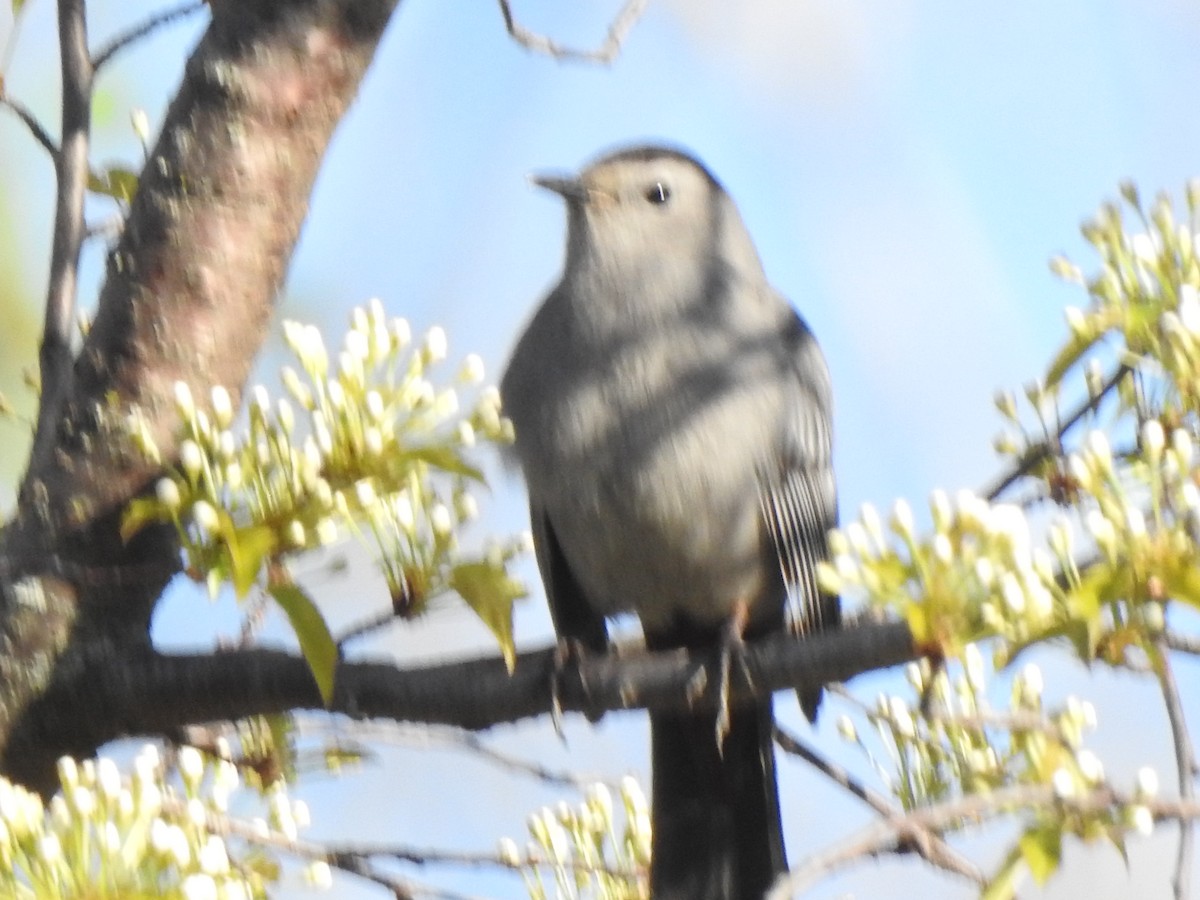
732	648
569	654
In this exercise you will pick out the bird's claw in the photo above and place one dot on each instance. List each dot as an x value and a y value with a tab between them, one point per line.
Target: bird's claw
568	654
732	647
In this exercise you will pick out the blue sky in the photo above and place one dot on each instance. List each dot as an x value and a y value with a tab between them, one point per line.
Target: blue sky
907	168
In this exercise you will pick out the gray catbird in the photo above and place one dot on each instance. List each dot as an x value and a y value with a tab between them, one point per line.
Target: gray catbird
672	417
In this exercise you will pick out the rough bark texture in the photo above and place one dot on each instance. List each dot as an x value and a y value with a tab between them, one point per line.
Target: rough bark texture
188	297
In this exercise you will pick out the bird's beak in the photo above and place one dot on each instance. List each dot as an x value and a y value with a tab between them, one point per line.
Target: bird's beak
568	187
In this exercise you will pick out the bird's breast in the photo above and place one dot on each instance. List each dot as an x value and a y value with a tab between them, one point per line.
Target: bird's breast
655	470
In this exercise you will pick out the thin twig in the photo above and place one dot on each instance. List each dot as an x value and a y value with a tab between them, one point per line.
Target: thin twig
981	719
424	736
931	847
1185	764
1043	451
123	40
469	860
72	171
355	862
877	801
356	865
1184	643
618	31
35	127
365	627
227	826
894	834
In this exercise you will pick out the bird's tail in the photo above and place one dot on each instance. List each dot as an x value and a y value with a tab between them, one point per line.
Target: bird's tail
715	810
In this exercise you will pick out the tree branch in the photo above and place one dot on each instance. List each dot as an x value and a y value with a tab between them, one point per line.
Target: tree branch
1184	643
892	835
1040	452
105	54
618	31
39	133
931	847
113	691
427	736
1185	765
71	168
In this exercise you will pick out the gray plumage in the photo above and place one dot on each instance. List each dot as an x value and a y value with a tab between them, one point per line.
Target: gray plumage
673	422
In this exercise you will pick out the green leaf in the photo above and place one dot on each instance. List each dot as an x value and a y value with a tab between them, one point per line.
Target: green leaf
1067	357
445	458
490	591
140	512
316	642
1003	885
249	547
1041	848
120	184
1182	582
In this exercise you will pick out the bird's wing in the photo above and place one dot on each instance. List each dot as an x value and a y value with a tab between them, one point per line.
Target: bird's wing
575	619
796	488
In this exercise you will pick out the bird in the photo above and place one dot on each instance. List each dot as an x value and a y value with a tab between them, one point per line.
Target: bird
672	418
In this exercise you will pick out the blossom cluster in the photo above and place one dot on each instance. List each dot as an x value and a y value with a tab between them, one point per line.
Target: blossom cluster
1145	295
589	851
1114	545
107	835
365	442
977	575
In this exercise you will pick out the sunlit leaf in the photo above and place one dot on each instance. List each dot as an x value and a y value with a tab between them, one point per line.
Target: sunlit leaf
445	458
1003	885
1182	582
1041	848
140	512
316	641
248	550
490	591
116	182
1066	359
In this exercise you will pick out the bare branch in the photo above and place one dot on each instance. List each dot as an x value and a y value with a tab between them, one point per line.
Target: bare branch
618	31
357	859
1184	643
1009	720
72	171
35	127
421	857
896	834
122	41
368	626
931	847
1185	765
1043	451
108	691
425	736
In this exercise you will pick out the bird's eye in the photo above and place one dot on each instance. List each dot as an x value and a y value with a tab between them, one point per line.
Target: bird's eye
658	193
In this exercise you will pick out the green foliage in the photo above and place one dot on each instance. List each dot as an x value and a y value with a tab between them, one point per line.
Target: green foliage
1119	554
375	450
116	182
316	643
